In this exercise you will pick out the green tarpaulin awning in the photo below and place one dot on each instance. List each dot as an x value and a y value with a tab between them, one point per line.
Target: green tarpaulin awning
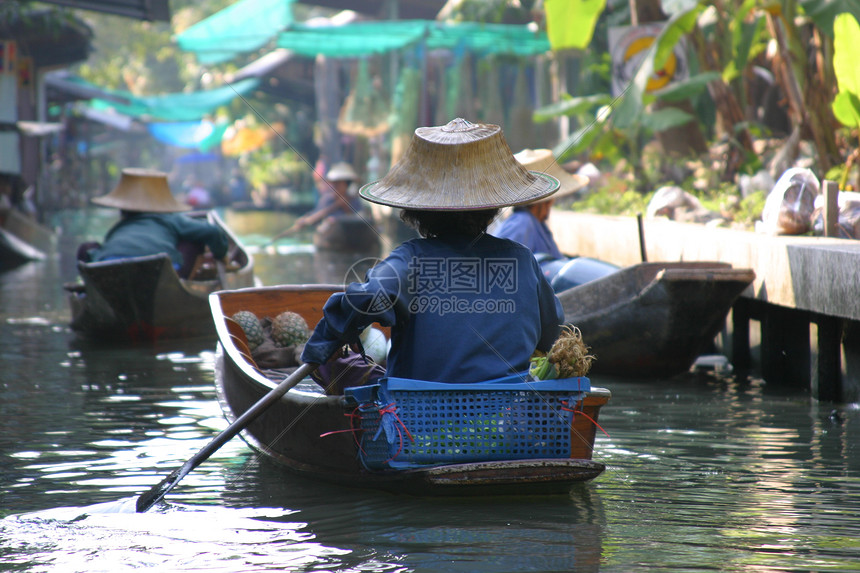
367	38
242	27
192	106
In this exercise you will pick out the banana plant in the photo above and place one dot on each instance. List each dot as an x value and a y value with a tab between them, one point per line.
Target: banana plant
846	104
625	117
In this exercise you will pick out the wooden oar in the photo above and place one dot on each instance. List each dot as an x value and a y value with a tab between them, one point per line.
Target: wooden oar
157	493
289	231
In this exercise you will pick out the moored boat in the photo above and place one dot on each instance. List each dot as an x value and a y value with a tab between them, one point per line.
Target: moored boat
314	434
23	239
347	234
144	300
652	320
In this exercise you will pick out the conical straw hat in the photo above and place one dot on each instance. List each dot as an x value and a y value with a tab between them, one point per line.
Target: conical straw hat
142	190
460	166
341	171
543	161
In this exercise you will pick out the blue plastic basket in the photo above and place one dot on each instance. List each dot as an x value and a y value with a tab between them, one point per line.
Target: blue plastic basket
409	423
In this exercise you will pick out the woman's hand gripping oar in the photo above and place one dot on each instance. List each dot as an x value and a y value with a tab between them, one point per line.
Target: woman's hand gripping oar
157	493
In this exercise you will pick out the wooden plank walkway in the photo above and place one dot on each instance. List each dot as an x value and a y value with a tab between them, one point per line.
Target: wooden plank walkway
806	296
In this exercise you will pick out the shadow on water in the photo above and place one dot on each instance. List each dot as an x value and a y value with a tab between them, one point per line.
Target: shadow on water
268	520
436	534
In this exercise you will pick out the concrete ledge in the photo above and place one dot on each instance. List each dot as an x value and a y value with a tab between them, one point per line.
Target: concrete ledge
816	274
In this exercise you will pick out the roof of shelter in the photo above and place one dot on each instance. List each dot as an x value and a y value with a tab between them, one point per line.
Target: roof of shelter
244	26
365	38
154	10
181	106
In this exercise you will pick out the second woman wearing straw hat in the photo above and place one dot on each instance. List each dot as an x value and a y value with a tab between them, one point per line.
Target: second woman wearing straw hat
151	222
527	224
463	306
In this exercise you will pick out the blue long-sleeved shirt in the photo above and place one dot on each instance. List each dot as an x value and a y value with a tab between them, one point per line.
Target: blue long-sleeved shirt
524	228
460	310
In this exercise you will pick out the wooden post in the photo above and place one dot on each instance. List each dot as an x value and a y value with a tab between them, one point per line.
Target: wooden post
785	356
740	351
829	370
831	209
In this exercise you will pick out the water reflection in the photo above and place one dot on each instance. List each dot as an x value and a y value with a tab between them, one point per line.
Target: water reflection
438	534
703	472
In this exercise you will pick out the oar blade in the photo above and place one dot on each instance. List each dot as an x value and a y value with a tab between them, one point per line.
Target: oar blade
157	493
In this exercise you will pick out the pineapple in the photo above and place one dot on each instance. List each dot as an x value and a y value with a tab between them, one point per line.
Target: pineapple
289	328
252	327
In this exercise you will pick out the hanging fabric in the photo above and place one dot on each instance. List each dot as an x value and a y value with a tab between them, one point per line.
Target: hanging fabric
366	109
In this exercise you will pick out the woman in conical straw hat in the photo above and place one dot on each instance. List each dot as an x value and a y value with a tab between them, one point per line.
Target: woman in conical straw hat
527	224
463	306
334	200
151	222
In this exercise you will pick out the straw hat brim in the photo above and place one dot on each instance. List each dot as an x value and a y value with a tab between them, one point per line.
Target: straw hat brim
543	161
426	199
143	191
460	166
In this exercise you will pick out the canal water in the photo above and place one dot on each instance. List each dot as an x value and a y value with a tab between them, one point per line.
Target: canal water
704	472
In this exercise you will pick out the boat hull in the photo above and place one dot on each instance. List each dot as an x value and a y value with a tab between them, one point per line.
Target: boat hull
22	239
143	299
310	434
653	320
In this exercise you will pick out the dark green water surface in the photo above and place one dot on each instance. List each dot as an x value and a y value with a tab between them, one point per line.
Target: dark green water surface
703	473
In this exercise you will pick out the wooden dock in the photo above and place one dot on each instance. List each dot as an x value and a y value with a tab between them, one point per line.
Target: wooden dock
798	324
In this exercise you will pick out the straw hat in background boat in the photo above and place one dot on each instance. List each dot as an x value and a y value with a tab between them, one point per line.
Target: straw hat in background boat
144	191
341	171
543	161
460	166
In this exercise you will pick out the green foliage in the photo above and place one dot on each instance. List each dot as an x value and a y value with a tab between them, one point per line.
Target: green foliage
846	44
140	56
750	208
823	13
271	166
616	198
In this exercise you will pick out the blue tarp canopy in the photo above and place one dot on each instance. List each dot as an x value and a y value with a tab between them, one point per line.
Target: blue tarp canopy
203	135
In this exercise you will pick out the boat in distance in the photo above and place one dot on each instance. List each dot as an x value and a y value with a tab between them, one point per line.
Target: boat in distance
144	300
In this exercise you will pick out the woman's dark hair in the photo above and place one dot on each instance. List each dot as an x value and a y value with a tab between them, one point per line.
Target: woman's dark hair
443	223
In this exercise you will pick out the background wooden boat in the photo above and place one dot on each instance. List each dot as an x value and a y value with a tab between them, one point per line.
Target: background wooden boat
347	234
654	319
308	432
143	299
23	239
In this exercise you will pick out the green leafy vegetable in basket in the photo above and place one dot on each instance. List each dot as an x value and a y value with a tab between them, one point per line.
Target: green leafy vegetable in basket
568	357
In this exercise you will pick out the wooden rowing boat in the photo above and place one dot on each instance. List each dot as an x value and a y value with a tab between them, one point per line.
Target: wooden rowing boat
23	239
143	299
309	433
347	234
652	320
